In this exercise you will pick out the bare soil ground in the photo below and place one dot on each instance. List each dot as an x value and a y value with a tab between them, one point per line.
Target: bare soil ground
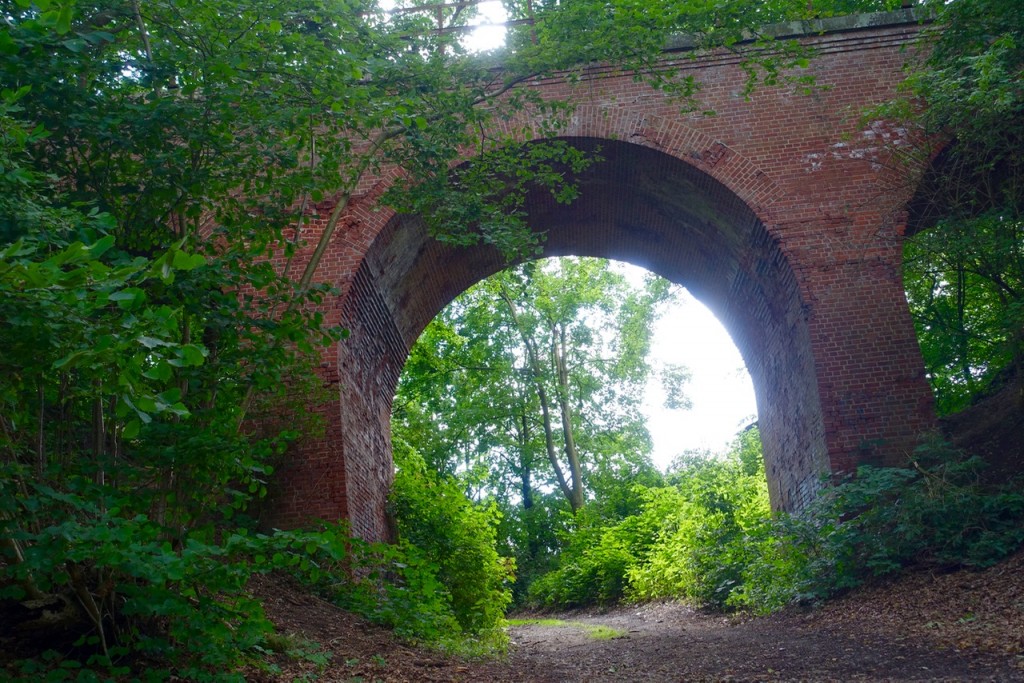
961	626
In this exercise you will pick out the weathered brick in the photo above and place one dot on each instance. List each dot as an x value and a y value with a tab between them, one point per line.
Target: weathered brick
782	213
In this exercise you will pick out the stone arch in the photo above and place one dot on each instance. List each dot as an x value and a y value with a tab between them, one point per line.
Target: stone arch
673	136
789	207
639	205
635	125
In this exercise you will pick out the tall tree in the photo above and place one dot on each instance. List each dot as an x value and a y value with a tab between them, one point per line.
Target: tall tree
529	388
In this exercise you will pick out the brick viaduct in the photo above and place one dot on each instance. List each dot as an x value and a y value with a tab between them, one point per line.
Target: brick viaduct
782	213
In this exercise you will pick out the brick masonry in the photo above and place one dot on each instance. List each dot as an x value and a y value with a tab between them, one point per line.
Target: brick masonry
783	213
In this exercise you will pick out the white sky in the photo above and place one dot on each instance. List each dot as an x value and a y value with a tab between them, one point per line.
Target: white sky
721	390
487	37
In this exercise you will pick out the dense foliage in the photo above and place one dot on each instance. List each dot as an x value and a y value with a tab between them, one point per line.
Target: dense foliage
155	156
935	512
965	270
692	536
528	390
434	515
129	362
707	535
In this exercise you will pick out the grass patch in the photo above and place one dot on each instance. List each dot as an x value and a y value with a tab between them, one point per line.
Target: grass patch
595	632
603	632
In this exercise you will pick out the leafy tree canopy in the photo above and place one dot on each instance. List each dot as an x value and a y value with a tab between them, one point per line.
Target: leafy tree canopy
528	388
965	270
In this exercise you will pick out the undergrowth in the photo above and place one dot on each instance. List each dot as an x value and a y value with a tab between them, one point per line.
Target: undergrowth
709	537
934	512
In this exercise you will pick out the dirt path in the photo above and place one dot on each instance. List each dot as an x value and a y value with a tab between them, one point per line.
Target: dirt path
672	642
961	627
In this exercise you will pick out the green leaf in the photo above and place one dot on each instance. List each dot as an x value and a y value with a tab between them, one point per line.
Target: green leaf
64	17
131	429
7	44
71	359
128	298
98	37
170	396
193	355
75	45
183	261
160	371
152	342
145	405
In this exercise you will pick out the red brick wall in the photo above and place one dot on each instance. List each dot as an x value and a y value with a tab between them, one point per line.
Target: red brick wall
782	213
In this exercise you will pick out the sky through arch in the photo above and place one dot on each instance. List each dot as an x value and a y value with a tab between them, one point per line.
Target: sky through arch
688	333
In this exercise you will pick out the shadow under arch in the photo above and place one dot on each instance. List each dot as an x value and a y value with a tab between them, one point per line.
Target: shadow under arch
638	205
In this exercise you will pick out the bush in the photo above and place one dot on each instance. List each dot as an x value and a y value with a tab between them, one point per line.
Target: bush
693	539
175	610
710	536
934	512
454	535
596	576
706	540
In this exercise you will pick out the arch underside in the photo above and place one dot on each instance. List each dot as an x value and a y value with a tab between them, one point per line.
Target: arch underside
637	205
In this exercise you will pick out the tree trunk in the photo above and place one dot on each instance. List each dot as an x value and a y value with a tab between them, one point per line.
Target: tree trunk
533	358
558	351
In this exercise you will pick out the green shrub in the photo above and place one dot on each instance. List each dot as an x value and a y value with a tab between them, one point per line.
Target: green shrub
595	577
594	565
178	610
394	585
454	535
710	536
692	539
709	521
935	512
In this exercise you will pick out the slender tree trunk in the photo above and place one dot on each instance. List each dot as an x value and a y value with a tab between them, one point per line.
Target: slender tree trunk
533	545
549	436
525	469
558	352
533	358
961	328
